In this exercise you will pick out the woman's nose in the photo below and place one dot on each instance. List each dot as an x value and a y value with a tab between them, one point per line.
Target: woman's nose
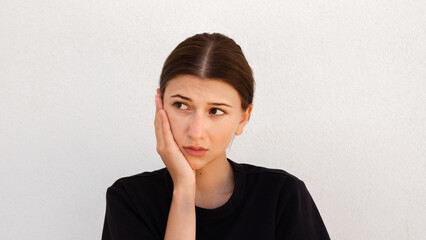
196	126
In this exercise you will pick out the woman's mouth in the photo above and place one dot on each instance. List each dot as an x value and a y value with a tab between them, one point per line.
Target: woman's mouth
195	151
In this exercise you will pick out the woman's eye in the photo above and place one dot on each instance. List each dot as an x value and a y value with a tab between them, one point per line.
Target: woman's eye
217	111
181	106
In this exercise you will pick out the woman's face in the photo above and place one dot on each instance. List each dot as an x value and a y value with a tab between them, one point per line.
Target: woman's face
203	114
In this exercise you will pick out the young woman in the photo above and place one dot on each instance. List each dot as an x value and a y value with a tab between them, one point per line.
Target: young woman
204	100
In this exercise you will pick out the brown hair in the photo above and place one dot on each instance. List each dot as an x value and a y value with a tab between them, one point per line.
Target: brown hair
211	56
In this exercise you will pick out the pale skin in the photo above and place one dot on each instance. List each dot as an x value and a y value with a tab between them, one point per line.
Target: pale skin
203	113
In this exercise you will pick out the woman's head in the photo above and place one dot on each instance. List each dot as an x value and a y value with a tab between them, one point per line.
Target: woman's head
213	56
207	90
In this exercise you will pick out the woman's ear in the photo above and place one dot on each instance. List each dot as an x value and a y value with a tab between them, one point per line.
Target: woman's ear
245	117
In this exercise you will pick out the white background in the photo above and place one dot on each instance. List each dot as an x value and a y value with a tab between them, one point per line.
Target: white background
340	103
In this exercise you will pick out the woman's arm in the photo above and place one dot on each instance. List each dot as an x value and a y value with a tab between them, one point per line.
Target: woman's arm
181	220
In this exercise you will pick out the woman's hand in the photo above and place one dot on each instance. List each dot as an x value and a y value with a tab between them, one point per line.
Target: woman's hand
177	165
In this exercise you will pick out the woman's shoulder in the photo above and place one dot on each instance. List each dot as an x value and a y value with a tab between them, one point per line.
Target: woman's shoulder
145	175
144	195
147	182
262	172
270	181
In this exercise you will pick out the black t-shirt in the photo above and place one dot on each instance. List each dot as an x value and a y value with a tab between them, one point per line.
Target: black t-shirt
266	204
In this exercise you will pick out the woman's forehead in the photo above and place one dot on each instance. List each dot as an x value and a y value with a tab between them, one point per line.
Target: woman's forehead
200	89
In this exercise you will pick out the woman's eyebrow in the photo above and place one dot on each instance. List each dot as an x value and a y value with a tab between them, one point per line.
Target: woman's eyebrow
180	96
210	103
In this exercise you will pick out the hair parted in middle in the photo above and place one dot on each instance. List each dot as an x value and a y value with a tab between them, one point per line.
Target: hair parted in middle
214	56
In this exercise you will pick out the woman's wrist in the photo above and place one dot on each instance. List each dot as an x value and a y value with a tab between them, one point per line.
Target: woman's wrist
185	198
184	190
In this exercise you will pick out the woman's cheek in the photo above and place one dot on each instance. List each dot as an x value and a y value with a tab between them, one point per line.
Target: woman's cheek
224	134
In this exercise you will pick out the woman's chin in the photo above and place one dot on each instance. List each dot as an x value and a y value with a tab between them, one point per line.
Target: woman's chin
196	163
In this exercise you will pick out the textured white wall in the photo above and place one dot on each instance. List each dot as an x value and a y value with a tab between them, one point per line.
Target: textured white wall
340	103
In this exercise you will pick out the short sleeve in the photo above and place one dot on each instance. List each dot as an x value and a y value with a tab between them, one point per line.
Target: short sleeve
297	215
122	220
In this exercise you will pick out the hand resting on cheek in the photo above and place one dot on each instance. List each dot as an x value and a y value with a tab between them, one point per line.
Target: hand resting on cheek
176	163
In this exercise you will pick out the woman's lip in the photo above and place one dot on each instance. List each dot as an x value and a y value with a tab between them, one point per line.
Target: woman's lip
195	151
195	148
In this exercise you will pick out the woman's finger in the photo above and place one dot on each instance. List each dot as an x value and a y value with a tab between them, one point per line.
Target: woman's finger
158	125
158	102
167	135
157	117
167	132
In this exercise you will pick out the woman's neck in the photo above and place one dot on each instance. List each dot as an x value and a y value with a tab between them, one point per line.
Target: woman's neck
215	184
